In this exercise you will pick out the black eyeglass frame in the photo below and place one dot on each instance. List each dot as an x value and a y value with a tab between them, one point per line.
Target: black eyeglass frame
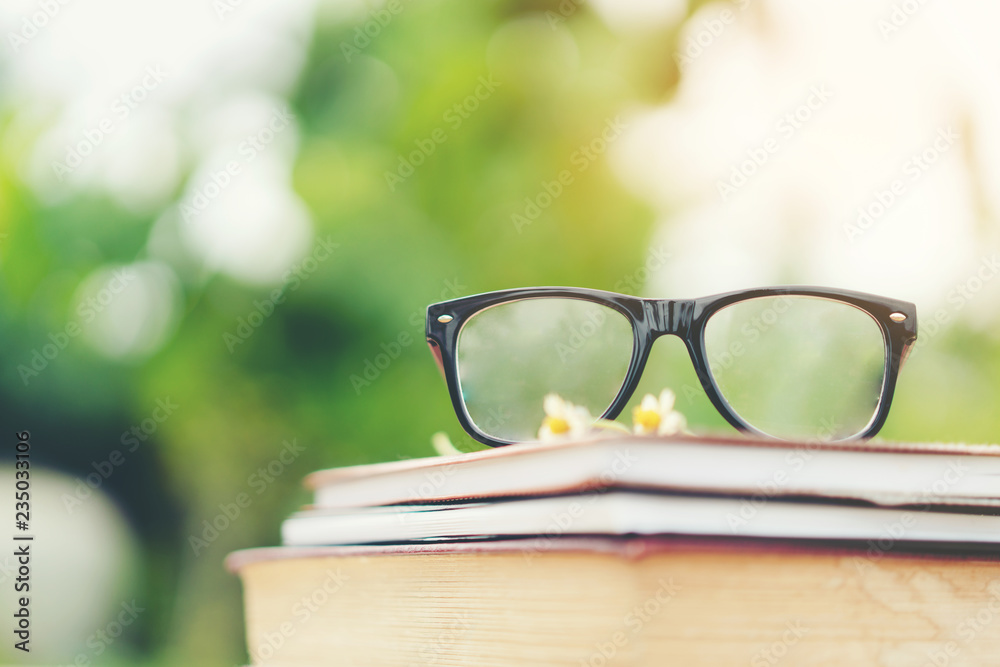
685	318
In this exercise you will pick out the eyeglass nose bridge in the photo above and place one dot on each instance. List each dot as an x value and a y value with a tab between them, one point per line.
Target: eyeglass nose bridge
669	316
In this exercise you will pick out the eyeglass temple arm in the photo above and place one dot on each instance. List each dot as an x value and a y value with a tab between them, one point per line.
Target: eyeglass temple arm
436	351
907	348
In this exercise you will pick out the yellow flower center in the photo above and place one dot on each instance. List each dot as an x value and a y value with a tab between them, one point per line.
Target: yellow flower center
557	425
649	420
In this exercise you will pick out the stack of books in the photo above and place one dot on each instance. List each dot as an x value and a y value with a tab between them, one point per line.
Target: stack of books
640	551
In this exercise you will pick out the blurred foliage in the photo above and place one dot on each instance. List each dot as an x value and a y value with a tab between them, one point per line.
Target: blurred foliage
443	232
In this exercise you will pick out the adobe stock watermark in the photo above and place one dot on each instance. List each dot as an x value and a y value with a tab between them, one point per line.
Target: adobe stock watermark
131	441
431	653
911	171
785	130
453	118
963	293
99	642
594	320
302	611
87	310
750	333
794	462
377	20
373	367
899	16
119	112
564	10
895	531
580	333
968	629
700	40
562	523
225	7
434	479
219	179
604	653
258	482
291	281
779	648
33	24
634	282
581	159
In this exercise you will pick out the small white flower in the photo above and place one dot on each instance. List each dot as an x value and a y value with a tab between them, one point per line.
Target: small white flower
656	416
563	419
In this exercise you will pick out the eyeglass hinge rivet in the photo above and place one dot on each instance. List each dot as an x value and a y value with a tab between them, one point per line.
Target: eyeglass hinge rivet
444	319
898	317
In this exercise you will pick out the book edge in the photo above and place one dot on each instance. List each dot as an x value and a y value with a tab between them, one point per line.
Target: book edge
319	478
629	548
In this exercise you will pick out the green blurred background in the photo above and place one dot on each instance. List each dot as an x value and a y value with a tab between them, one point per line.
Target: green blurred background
449	229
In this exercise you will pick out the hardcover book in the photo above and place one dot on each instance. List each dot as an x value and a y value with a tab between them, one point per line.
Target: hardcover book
639	551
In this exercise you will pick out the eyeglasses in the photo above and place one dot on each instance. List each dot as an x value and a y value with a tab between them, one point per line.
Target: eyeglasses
794	363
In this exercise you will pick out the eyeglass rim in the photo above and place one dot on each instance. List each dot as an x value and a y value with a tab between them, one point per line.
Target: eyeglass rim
651	318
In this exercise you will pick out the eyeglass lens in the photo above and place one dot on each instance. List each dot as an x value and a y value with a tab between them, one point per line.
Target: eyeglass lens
792	367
